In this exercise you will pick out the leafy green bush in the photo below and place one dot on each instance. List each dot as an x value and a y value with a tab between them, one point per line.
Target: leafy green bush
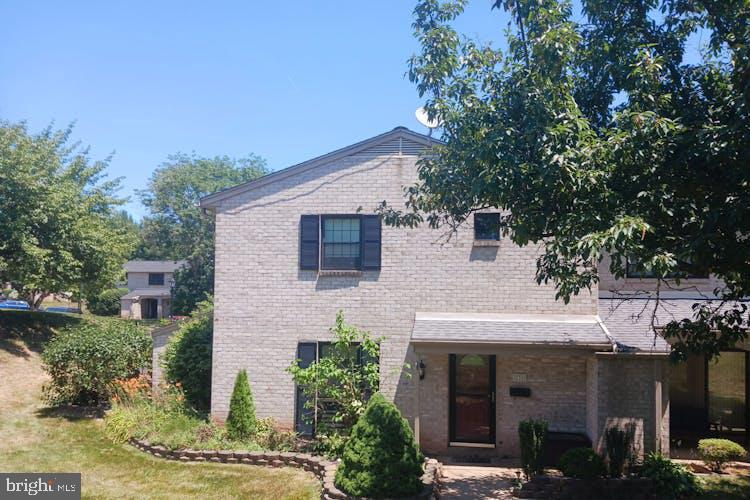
187	358
671	480
582	463
619	444
533	437
716	452
84	360
107	302
241	423
380	459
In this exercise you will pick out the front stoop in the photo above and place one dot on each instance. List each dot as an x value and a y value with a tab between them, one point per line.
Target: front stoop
323	469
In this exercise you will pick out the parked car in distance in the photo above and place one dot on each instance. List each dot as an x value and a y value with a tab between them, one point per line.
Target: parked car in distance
62	309
14	304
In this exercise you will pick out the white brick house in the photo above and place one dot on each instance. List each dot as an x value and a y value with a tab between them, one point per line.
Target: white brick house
149	285
296	246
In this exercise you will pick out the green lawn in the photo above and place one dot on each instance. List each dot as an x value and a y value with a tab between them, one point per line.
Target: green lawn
727	487
38	439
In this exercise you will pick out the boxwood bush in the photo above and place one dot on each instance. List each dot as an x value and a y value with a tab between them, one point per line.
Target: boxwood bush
717	452
85	359
187	358
381	458
671	480
582	463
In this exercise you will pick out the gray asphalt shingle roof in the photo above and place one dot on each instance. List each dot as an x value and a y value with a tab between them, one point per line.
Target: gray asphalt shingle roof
513	329
148	292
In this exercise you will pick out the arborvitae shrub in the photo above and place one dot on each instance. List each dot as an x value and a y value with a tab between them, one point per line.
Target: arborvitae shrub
241	423
619	448
381	458
533	437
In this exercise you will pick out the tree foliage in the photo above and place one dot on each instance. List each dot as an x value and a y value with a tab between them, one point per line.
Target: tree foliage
106	302
176	228
57	216
339	384
595	134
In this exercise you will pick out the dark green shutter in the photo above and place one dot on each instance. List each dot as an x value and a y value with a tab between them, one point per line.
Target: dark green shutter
371	242
309	242
303	416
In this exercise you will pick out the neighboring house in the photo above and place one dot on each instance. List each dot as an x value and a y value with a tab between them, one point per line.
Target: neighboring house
149	285
472	344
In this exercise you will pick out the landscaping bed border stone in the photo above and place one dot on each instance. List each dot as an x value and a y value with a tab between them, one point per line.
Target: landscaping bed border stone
557	487
322	468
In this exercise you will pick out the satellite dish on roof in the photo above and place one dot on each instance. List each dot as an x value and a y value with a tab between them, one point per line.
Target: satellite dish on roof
422	118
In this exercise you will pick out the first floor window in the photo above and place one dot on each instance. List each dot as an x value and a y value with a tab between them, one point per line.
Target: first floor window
307	415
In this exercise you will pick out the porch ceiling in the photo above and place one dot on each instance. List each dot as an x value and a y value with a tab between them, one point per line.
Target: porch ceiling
511	329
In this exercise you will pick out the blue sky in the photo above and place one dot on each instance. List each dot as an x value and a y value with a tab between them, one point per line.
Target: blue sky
285	80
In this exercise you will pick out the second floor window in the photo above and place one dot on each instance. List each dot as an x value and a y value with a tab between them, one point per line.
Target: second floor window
487	226
156	279
341	242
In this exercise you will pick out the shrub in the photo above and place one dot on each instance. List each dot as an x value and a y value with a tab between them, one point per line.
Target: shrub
717	452
107	302
270	437
339	384
241	423
380	459
187	358
84	360
619	444
671	480
582	463
533	437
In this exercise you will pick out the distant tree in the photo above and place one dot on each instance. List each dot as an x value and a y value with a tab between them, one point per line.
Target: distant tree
56	216
596	135
175	227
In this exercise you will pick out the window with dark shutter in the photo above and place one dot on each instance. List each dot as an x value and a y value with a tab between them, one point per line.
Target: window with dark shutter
371	242
309	242
307	353
342	240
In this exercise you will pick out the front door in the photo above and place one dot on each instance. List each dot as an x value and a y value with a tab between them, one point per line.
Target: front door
472	399
150	309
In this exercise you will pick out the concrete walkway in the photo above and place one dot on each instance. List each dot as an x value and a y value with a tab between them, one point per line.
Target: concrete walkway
470	481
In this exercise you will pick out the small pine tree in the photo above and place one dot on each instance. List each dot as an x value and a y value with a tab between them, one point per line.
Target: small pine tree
381	458
241	423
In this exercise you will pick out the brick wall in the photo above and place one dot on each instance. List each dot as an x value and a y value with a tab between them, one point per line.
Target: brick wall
264	305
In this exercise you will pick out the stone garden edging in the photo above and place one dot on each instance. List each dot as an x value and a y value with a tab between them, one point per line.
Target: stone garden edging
322	468
556	487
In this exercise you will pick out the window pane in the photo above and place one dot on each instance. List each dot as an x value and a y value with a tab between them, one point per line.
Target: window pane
341	247
726	392
487	226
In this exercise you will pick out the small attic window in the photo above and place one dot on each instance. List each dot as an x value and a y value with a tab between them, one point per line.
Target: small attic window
487	226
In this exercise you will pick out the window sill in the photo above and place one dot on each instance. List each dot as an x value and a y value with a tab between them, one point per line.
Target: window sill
486	243
339	272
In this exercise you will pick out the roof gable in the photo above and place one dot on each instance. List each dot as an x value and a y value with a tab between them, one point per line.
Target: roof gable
399	141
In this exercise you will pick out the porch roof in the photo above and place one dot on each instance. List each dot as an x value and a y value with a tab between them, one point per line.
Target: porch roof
512	329
151	293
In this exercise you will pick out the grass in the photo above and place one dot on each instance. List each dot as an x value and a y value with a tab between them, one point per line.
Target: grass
726	487
40	439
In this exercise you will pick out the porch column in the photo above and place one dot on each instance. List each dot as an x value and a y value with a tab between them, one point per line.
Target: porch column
416	400
158	309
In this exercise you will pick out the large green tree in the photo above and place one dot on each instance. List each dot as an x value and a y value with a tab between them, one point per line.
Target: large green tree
176	228
57	216
599	135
